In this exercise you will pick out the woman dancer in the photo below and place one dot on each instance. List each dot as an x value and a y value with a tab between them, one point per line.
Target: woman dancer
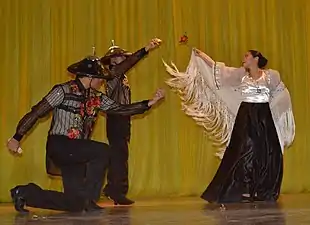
248	111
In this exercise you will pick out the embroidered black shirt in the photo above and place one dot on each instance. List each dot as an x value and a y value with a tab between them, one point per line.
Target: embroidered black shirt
75	110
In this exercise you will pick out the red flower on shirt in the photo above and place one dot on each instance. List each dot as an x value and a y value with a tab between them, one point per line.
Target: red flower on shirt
82	110
96	102
73	133
74	87
91	106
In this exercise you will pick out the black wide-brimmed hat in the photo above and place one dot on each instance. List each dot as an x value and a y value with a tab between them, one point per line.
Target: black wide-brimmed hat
90	66
114	51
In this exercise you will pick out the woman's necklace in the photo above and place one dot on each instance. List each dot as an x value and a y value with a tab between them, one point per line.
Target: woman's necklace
255	82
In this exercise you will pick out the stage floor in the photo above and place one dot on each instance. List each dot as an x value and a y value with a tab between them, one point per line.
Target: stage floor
290	210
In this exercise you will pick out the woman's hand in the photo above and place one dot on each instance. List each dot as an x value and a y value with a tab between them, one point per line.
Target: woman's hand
197	52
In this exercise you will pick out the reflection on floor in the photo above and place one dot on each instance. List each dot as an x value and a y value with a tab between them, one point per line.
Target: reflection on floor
290	210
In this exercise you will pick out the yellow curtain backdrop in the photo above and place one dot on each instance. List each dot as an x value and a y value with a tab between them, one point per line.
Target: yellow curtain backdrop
169	154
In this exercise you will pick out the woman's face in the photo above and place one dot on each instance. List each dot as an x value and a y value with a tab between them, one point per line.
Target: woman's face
249	60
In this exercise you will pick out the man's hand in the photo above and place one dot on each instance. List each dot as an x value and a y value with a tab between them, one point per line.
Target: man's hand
160	94
14	146
154	43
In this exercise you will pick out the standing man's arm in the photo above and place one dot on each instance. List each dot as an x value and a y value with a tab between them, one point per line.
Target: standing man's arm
40	110
127	64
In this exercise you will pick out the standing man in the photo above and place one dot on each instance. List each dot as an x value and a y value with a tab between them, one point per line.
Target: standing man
75	106
118	126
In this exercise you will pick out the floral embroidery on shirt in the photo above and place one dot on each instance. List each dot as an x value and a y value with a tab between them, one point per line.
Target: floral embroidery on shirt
87	116
74	87
92	105
73	133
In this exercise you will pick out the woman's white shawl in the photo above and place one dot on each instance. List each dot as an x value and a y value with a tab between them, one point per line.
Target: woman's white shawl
208	96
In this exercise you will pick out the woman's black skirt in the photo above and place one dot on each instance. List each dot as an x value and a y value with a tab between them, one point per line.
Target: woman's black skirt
253	163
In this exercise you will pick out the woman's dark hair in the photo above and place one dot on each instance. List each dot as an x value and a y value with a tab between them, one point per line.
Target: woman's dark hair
262	61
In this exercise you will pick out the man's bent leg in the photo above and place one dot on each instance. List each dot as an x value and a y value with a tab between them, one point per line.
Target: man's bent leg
36	197
96	169
73	178
96	155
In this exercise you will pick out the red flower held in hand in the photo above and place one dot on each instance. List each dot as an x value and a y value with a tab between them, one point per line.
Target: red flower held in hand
183	39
